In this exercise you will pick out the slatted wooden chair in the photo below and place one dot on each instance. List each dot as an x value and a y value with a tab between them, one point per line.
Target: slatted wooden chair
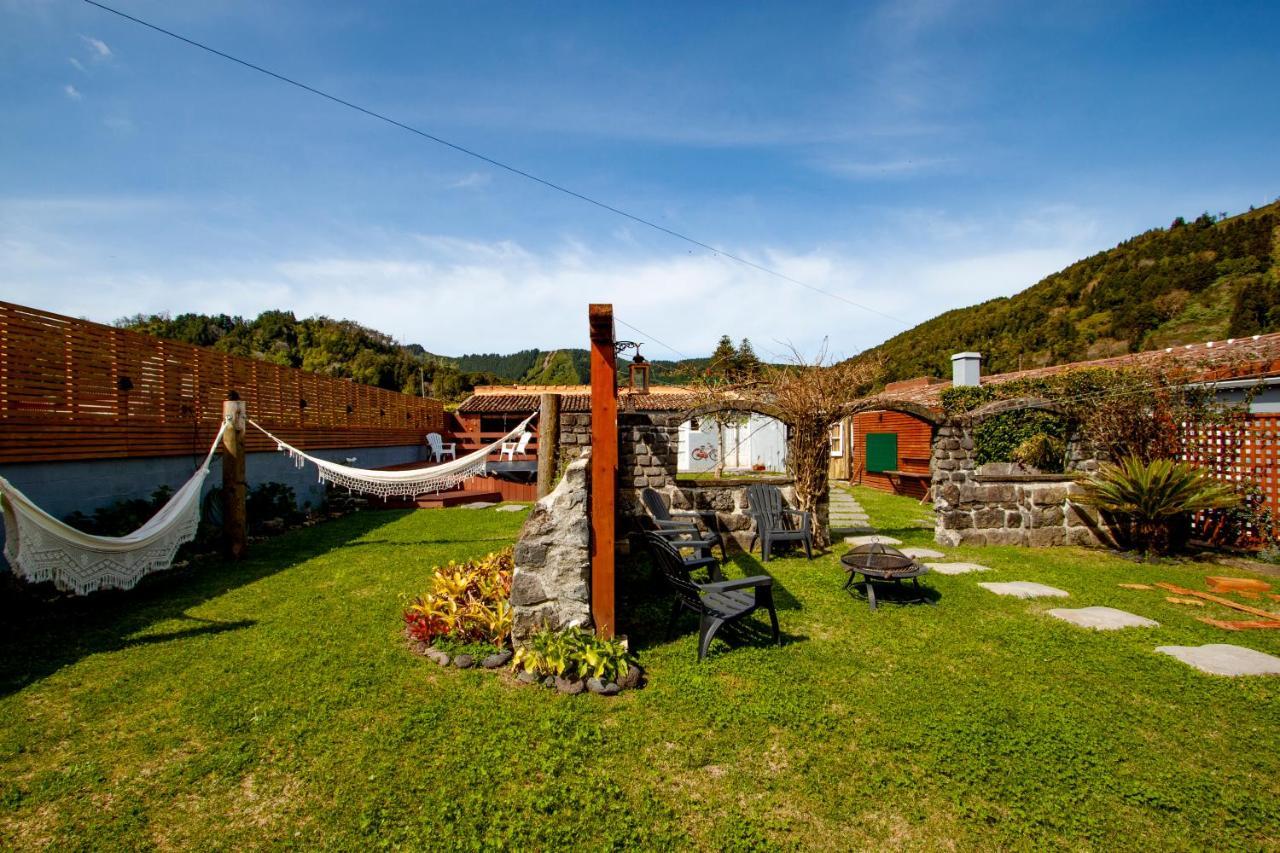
663	521
717	604
776	522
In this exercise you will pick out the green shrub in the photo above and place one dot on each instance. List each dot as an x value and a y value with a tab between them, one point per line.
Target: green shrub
121	517
573	653
268	501
1029	433
1154	501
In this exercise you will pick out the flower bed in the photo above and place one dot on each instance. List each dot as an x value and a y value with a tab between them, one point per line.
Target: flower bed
464	621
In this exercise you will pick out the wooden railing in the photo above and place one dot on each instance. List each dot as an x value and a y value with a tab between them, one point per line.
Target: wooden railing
469	441
71	389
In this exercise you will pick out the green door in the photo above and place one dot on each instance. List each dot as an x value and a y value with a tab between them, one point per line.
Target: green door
882	452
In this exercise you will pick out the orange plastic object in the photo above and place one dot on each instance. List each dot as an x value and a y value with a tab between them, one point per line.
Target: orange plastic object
1237	585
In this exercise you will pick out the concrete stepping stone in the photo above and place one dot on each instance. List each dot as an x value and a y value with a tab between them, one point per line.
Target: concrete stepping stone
479	505
1224	659
1024	589
871	540
1102	618
923	553
511	508
957	568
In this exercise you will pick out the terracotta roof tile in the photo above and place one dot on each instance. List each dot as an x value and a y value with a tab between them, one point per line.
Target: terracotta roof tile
1254	356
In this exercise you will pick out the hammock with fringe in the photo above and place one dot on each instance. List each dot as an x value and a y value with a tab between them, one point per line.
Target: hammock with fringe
39	547
407	483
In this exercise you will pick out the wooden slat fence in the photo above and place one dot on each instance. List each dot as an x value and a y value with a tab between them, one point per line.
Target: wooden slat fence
71	389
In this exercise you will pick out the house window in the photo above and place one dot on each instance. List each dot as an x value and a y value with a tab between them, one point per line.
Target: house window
836	438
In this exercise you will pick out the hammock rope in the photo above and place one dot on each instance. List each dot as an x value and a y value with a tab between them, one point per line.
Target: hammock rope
405	483
40	547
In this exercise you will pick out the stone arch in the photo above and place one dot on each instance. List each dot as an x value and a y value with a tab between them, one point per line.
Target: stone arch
929	415
741	406
998	407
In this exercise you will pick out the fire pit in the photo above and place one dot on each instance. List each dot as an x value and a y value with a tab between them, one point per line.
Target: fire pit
877	562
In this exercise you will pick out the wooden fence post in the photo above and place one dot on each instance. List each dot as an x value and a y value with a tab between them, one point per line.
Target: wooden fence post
234	521
548	442
604	466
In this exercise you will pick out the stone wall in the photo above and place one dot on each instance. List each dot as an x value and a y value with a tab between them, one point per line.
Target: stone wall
552	579
1006	504
722	504
575	435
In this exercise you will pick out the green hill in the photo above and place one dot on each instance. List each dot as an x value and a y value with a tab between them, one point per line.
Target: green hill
1209	279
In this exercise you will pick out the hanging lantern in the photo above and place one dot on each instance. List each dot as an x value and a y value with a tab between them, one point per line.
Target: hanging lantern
639	378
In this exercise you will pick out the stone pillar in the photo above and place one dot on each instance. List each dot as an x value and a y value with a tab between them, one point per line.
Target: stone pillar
551	583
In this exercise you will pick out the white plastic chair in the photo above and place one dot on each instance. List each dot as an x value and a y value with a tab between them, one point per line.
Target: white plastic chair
509	449
441	448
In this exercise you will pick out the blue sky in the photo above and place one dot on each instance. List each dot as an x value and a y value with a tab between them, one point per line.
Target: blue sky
912	157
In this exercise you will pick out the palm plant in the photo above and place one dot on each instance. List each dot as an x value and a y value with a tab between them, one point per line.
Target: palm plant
1155	499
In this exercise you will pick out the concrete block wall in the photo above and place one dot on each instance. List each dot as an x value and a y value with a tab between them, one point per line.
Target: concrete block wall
61	488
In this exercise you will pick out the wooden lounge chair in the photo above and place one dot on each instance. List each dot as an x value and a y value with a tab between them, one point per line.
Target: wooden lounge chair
663	520
441	448
718	603
777	522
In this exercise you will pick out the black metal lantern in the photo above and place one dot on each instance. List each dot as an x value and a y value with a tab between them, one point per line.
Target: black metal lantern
639	374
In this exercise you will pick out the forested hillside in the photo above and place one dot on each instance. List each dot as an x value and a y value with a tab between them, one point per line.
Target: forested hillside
1208	279
347	349
322	345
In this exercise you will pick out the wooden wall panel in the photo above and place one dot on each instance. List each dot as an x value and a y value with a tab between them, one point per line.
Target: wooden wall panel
71	389
914	448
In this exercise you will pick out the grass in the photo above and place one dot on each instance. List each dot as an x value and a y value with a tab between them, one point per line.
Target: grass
272	703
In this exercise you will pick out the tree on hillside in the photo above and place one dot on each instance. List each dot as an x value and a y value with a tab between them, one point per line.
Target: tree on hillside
745	362
723	358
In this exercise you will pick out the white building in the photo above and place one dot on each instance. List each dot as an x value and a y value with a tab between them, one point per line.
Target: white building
750	441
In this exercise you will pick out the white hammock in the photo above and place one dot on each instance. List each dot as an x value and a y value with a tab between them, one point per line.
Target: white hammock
407	483
39	547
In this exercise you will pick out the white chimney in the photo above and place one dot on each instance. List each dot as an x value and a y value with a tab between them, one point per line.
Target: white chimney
966	369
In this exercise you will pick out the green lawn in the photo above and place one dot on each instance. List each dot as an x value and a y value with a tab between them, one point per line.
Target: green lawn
273	703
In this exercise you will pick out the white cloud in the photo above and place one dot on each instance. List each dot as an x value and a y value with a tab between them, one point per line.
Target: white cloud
75	63
456	295
98	48
903	167
473	180
72	92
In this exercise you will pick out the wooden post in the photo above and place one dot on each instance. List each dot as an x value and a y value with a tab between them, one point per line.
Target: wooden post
604	465
234	522
548	442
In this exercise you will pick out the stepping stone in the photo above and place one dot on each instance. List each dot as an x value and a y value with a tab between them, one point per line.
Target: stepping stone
957	568
479	505
1024	589
1224	659
512	508
871	540
1102	618
923	553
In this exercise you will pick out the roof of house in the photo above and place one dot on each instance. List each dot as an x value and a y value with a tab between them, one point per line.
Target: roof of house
1252	357
518	399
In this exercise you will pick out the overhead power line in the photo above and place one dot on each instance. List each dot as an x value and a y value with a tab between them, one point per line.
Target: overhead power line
560	188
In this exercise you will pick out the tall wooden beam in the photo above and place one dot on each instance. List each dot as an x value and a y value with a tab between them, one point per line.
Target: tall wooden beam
604	465
235	527
548	442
